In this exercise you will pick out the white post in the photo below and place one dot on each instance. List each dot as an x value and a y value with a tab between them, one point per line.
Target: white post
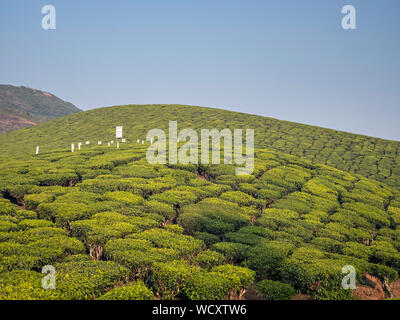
72	147
87	142
117	144
79	145
138	141
142	141
108	144
99	142
37	150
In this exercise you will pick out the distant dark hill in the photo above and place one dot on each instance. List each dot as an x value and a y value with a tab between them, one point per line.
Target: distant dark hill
370	157
23	107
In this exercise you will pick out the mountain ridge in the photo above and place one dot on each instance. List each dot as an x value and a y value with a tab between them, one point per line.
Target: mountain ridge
22	107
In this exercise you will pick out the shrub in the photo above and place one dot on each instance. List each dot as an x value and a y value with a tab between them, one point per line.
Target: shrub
124	197
133	291
34	223
177	198
169	277
234	252
216	217
208	238
267	257
275	290
321	278
23	285
165	209
208	259
185	245
137	254
89	279
7	208
372	214
222	282
33	200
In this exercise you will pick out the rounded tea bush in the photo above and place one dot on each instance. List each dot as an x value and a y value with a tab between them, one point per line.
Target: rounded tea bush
133	291
275	290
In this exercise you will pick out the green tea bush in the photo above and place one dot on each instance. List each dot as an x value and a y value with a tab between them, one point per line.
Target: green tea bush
266	257
82	280
133	291
275	290
216	217
187	246
208	238
124	197
234	252
33	200
137	254
177	198
170	277
221	282
208	259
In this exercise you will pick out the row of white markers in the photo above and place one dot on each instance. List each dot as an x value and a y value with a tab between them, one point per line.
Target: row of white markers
99	143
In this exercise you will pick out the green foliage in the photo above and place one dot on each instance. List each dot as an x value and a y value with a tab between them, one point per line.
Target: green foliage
169	277
292	221
213	216
266	257
33	200
186	246
133	291
137	254
208	259
124	197
275	290
220	283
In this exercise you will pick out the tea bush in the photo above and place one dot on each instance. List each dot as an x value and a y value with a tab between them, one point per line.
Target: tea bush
133	291
275	290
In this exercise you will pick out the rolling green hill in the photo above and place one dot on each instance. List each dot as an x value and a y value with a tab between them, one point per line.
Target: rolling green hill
115	227
22	107
374	158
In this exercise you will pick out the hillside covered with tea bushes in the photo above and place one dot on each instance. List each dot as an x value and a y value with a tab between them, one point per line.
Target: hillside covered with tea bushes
115	227
373	158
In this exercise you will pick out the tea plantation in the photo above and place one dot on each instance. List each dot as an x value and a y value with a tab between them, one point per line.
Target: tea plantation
373	158
115	227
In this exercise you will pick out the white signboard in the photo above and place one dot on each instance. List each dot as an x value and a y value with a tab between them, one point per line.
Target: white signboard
99	142
118	132
123	140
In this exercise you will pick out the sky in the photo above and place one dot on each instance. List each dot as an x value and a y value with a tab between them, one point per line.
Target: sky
286	59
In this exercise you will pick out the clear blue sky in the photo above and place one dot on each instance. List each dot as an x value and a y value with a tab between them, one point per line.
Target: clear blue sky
287	59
